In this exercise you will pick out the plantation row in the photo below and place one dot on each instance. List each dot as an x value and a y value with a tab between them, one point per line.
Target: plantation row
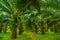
29	15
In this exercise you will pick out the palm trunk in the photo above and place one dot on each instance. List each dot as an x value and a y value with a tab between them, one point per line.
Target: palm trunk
27	28
36	28
42	30
20	28
0	29
14	28
14	32
55	29
5	28
32	28
42	26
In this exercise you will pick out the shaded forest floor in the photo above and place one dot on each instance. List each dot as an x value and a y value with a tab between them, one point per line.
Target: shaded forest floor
31	36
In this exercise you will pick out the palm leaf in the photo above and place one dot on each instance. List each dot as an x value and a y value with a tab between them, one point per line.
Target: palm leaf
5	6
2	8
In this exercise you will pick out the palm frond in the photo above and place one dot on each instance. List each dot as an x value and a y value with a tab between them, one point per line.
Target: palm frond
5	6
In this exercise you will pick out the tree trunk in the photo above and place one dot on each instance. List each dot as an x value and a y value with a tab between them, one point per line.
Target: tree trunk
55	29
14	32
42	30
20	28
15	22
0	29
14	28
32	28
36	28
5	28
42	26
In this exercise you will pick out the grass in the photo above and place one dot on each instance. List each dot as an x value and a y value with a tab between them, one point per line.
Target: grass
31	36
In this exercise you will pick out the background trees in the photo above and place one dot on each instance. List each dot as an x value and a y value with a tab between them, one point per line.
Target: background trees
30	15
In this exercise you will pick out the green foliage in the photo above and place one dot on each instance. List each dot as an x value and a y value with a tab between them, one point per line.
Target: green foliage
31	13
